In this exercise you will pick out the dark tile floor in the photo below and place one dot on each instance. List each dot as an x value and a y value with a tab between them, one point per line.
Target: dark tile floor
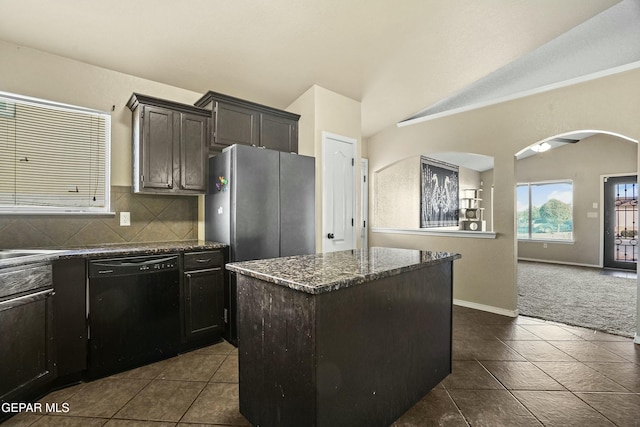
506	372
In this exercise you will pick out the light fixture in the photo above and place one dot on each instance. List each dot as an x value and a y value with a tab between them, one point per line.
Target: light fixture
540	148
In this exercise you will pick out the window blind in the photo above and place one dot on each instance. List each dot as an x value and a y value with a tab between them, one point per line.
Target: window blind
53	157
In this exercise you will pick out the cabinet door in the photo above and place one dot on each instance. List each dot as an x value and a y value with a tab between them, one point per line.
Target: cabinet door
26	345
278	133
235	125
157	147
194	152
70	326
204	303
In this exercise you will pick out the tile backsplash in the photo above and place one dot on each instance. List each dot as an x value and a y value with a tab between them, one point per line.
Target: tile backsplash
153	219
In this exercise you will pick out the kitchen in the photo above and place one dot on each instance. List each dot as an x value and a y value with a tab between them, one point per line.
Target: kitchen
152	217
94	87
146	302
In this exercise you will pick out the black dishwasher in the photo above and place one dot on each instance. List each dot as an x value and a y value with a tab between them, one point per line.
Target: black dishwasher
133	312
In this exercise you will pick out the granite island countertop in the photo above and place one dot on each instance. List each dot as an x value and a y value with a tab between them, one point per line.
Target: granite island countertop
115	250
330	271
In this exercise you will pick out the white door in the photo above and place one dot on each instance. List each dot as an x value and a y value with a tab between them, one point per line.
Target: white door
338	192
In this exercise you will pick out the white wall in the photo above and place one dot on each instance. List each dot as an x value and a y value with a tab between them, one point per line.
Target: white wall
322	110
38	74
486	274
397	193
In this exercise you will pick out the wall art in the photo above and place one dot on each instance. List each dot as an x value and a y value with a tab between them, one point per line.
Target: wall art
439	193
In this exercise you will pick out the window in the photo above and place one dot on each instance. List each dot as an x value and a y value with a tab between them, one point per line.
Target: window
54	158
545	210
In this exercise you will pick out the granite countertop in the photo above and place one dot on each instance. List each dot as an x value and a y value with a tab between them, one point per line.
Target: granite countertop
325	272
116	250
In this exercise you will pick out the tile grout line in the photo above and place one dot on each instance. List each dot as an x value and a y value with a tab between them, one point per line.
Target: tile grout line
573	393
456	405
595	361
509	390
594	408
203	388
128	401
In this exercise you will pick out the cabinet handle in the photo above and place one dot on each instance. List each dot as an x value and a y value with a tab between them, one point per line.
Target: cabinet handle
201	261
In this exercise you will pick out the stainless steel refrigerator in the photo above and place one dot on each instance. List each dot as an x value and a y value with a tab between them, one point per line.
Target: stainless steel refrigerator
262	204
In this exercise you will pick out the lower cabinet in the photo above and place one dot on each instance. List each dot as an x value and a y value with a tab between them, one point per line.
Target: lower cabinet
203	296
70	321
33	363
27	352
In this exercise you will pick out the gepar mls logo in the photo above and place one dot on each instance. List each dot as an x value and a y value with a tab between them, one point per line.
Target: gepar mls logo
36	407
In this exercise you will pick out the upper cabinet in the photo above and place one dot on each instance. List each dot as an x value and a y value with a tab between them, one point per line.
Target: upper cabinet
236	121
170	146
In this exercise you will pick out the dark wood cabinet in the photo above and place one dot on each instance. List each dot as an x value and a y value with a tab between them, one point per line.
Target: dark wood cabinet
237	121
44	328
170	146
234	124
278	133
27	351
318	355
70	320
155	153
203	296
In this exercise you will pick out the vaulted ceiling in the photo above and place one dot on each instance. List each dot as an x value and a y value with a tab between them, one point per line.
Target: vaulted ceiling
397	58
605	44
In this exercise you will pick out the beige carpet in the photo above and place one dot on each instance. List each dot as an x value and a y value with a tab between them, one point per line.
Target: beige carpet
579	296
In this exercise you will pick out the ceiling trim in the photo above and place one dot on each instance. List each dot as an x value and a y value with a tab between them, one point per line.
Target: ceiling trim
523	94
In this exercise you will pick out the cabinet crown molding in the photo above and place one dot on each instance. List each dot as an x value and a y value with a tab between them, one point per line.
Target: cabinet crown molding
138	98
212	96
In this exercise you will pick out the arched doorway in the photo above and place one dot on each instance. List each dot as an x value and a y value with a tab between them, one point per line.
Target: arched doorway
570	231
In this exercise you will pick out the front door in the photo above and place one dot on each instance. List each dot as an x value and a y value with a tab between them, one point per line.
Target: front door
621	222
338	192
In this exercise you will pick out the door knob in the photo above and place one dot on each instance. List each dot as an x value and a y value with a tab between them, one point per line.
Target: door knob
330	236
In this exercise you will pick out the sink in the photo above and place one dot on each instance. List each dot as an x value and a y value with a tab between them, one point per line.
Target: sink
17	253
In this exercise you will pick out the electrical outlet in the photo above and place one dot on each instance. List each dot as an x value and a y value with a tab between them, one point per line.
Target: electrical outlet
544	245
125	219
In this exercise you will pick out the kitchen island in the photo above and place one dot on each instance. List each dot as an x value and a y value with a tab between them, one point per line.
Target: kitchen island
351	338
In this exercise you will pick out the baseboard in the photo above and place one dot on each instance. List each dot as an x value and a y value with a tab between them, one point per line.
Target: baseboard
548	261
488	308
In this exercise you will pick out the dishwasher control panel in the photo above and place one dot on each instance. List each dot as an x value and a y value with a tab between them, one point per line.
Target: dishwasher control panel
133	265
169	265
